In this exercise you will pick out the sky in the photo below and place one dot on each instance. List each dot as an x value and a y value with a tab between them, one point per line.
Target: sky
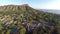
37	4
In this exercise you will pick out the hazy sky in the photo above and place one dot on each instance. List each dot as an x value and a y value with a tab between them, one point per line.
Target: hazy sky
39	4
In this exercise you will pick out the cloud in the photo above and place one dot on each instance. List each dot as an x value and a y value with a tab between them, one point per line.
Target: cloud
52	5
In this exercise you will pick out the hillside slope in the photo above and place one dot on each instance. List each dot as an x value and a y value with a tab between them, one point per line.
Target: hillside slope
22	19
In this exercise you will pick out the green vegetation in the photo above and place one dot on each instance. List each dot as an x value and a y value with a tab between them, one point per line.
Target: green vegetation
16	21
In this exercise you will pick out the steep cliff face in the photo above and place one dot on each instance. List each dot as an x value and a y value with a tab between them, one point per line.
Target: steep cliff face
14	7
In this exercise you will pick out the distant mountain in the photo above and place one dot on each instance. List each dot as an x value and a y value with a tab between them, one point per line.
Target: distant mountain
14	7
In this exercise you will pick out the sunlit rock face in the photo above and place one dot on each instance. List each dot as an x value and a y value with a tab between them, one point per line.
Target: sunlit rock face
14	7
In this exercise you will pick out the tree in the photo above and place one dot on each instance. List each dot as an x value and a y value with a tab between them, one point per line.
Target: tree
23	31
